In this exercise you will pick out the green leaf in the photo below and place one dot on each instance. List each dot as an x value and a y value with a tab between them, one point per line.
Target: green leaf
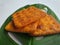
26	39
4	38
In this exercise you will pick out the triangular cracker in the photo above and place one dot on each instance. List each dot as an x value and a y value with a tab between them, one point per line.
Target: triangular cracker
45	26
34	22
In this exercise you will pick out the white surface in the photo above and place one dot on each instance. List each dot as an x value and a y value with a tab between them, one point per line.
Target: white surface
7	7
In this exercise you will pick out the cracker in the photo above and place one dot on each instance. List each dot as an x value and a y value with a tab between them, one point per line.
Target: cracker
27	16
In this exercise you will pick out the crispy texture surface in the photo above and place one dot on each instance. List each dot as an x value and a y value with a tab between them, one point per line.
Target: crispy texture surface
10	27
27	16
27	29
34	22
47	25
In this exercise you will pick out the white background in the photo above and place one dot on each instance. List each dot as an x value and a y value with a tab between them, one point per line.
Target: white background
7	7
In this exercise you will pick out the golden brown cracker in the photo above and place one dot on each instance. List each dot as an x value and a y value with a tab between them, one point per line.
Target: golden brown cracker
27	16
47	25
33	21
27	29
